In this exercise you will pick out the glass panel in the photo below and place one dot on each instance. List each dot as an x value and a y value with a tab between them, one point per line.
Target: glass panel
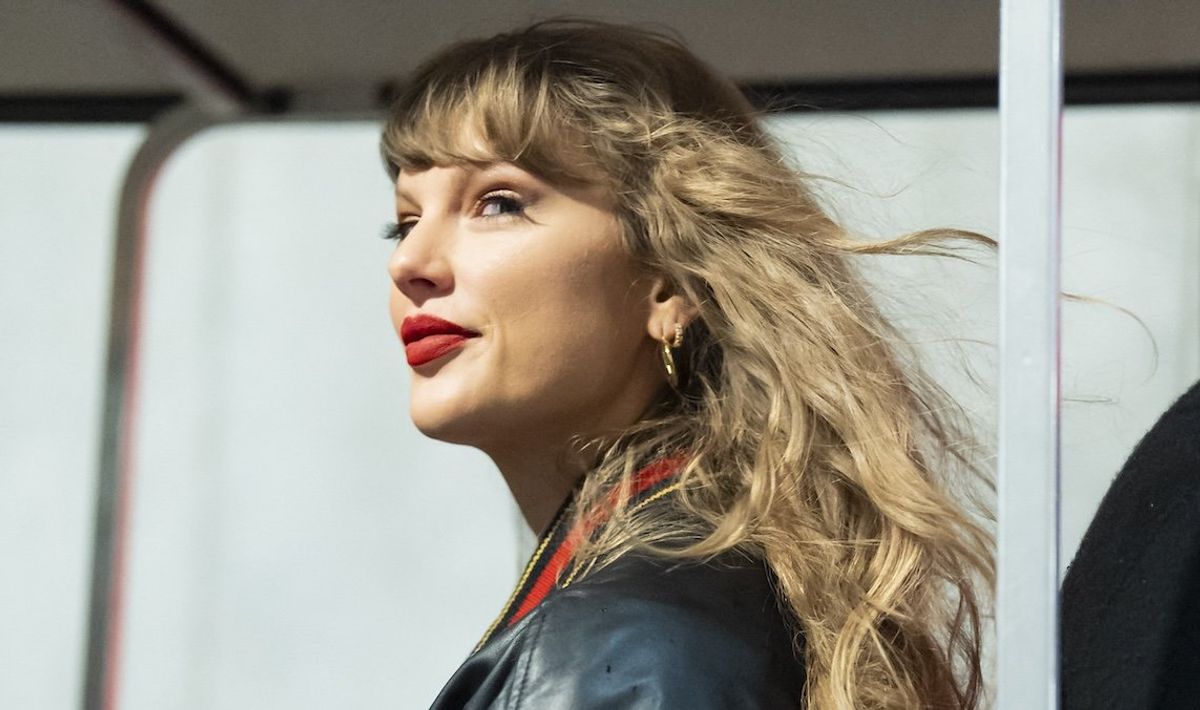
295	542
1131	248
1131	240
58	200
898	172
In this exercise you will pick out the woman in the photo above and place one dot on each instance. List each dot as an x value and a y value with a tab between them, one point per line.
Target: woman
609	280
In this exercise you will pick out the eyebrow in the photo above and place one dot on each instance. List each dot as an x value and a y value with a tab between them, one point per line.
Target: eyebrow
503	169
473	172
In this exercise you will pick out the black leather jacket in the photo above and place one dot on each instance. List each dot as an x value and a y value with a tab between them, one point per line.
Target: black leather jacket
640	633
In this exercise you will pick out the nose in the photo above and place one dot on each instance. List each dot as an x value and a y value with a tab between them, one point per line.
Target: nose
420	264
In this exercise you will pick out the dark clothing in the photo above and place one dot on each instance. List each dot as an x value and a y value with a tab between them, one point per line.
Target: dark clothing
641	633
1131	598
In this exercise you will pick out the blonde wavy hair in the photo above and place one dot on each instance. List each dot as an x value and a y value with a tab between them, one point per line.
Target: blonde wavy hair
813	439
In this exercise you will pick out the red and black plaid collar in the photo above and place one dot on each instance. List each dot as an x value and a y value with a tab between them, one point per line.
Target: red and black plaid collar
545	568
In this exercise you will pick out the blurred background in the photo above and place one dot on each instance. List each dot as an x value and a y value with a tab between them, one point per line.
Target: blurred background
291	540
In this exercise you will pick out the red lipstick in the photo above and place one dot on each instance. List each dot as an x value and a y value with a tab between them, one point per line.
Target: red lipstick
426	338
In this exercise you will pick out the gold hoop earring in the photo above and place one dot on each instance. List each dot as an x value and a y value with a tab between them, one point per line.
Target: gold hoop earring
668	357
668	360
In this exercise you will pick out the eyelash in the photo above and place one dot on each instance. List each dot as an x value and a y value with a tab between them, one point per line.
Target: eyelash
397	231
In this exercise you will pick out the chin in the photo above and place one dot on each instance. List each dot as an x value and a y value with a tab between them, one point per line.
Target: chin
444	431
445	422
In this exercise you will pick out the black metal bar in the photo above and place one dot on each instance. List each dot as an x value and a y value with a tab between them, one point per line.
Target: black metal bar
85	108
1082	89
874	94
195	55
1182	86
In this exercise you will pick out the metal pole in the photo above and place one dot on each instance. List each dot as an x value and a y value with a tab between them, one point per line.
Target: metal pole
115	478
116	437
1027	594
216	92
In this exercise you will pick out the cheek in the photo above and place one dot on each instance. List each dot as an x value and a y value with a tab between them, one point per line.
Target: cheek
568	330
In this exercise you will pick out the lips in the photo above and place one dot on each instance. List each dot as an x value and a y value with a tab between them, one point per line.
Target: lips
426	338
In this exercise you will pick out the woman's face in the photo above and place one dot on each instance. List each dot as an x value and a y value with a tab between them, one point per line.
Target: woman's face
553	323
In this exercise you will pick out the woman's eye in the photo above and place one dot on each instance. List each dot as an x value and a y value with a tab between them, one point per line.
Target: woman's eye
497	204
397	231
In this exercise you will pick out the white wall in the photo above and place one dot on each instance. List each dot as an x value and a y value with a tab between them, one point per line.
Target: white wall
295	543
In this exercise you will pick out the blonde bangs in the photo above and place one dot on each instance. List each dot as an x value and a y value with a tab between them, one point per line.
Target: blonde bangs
486	109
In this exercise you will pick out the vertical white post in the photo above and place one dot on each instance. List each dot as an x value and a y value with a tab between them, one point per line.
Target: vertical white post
1027	594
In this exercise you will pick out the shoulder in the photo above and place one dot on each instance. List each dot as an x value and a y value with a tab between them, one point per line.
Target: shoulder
1130	597
649	632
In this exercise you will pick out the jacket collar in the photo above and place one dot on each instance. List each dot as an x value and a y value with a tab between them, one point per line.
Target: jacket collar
556	546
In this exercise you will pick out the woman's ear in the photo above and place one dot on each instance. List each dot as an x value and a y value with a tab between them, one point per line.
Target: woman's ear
668	307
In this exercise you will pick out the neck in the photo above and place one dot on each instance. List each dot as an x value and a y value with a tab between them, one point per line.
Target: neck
541	475
540	482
